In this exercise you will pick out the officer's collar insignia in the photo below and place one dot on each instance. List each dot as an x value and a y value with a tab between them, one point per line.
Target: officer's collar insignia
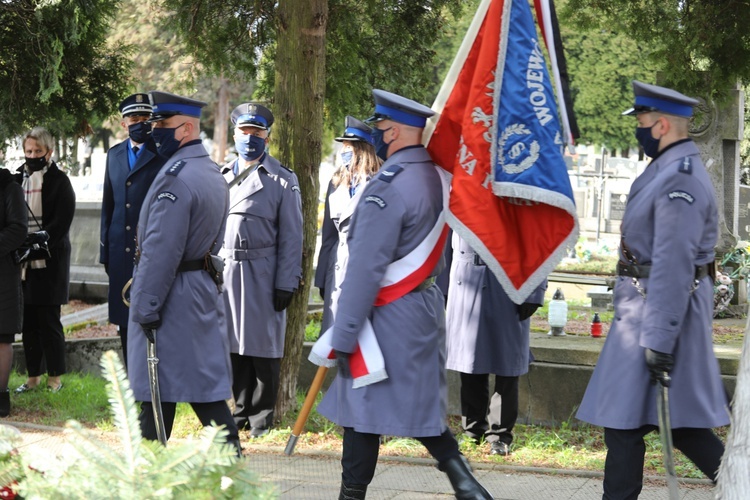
376	200
166	195
681	195
388	174
686	167
175	168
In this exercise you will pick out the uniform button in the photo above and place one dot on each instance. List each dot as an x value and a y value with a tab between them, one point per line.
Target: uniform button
127	205
673	322
128	183
127	228
152	302
458	282
127	249
352	325
337	267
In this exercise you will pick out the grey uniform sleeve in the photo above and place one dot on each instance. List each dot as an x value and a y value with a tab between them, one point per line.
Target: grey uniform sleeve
289	251
162	244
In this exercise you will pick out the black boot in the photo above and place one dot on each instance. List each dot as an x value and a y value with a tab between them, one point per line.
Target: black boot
353	491
4	403
465	485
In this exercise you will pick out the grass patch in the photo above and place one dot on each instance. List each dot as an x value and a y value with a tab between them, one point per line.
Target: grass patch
597	264
571	445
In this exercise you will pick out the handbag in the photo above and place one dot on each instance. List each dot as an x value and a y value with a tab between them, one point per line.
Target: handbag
34	247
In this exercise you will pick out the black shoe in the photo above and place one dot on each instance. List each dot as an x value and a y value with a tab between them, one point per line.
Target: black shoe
465	485
353	491
257	432
4	403
500	448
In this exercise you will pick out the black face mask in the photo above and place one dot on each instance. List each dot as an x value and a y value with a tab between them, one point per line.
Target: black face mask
35	164
139	132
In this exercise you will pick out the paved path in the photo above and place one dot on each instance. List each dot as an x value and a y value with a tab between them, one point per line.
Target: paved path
307	476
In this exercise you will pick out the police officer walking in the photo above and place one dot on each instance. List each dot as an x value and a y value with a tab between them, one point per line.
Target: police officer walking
486	333
174	293
663	305
131	168
398	211
263	253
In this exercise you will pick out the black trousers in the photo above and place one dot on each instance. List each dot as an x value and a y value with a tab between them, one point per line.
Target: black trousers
122	331
255	386
360	453
43	340
207	413
623	468
495	417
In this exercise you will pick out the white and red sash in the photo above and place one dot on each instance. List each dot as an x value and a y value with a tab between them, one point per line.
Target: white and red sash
366	363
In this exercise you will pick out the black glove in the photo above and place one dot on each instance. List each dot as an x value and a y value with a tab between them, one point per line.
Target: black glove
322	292
342	363
281	299
526	309
150	329
659	364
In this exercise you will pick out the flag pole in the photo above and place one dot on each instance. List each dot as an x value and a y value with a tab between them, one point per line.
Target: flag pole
299	425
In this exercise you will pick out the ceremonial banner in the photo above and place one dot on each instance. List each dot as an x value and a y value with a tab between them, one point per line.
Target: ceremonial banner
497	131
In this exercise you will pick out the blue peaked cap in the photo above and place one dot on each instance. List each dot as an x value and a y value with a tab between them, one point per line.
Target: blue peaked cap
650	98
356	130
390	106
165	105
251	114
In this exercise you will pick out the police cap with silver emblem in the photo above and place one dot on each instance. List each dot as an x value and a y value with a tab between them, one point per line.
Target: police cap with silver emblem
355	130
390	106
250	114
649	98
166	105
135	104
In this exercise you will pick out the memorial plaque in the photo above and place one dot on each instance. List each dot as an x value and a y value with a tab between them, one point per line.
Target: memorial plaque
743	214
617	203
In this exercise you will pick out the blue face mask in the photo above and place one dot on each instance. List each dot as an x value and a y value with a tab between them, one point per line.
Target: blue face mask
646	140
166	144
346	157
381	148
249	147
139	132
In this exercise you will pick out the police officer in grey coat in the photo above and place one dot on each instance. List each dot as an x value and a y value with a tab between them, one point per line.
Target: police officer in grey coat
131	168
487	333
663	304
173	293
398	209
263	253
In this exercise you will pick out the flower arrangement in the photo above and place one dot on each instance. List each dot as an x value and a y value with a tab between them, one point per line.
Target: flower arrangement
734	266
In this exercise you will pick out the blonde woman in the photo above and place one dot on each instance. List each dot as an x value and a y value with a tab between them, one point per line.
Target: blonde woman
358	163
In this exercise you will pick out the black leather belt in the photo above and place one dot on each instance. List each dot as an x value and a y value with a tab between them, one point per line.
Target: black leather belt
643	270
191	265
424	285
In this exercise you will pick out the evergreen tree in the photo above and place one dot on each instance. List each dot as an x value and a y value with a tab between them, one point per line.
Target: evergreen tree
56	68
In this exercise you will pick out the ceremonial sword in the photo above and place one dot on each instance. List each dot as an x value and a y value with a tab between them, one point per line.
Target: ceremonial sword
665	432
153	379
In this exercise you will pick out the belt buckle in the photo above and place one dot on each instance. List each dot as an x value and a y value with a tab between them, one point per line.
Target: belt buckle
478	260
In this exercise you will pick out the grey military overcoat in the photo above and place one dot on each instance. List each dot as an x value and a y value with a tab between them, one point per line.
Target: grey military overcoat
483	330
397	210
670	222
182	216
263	252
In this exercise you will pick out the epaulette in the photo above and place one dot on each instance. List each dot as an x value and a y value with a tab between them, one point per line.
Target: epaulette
388	174
175	168
287	168
686	167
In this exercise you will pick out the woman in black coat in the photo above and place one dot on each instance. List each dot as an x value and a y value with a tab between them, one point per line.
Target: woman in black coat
13	228
45	281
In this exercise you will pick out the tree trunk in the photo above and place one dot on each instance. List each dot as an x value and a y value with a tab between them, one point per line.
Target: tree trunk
298	104
222	121
734	479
